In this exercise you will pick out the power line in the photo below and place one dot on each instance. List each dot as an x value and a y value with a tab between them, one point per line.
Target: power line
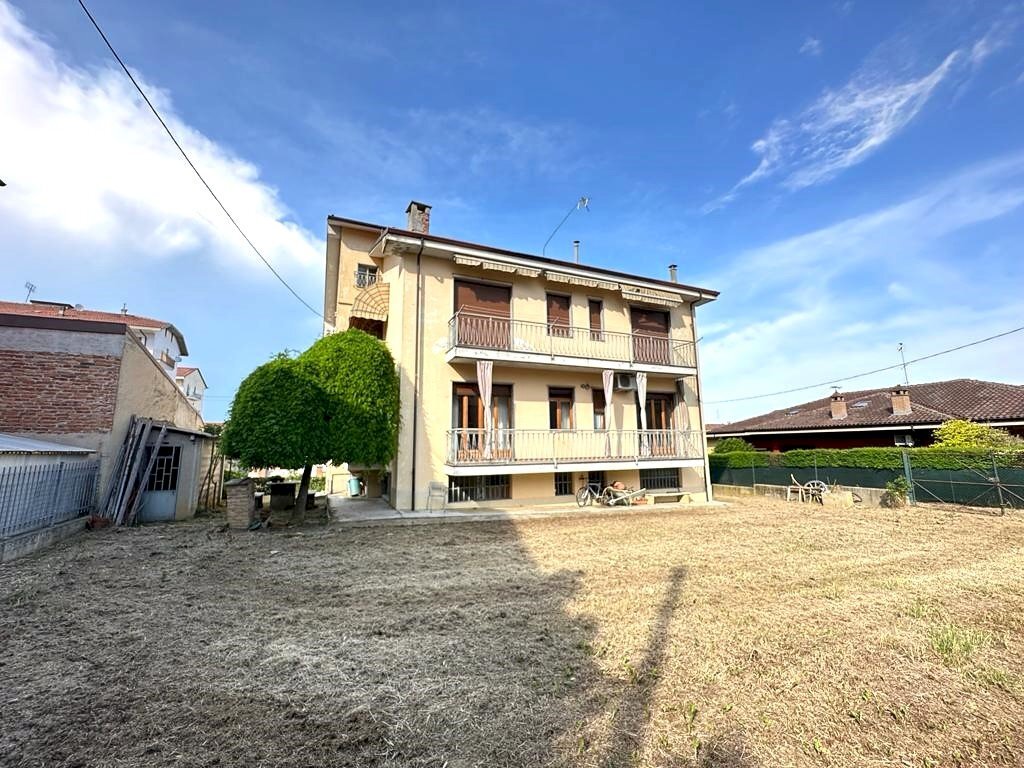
831	382
192	165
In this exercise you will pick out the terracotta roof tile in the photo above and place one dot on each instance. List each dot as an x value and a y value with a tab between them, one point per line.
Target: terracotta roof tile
929	403
54	310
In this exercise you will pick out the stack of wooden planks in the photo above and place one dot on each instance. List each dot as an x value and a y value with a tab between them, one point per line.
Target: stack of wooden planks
135	460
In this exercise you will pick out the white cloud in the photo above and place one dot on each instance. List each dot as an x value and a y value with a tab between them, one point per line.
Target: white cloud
844	126
811	47
837	300
90	161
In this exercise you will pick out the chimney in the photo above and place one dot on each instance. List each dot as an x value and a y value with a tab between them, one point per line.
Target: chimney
901	402
838	403
418	217
672	273
576	251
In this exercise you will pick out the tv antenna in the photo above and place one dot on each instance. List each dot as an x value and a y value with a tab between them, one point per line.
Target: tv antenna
582	203
31	288
903	362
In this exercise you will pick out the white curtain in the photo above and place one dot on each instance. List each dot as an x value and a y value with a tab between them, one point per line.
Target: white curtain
641	396
608	378
484	369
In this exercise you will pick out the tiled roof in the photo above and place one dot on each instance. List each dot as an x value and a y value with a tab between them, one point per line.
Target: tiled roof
66	312
929	404
54	310
184	370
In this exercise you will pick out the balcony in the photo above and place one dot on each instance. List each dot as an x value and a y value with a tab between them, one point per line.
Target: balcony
474	336
364	279
534	450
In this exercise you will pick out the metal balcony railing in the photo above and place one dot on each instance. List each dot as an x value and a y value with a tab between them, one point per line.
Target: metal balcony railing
365	279
467	329
468	447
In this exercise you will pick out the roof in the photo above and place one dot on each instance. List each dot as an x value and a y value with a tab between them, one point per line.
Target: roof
186	370
68	312
520	255
15	444
929	404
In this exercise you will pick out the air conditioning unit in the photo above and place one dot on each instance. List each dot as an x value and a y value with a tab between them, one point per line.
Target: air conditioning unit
625	381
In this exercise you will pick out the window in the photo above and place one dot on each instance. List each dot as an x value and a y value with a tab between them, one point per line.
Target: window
366	275
479	488
659	479
659	410
484	313
560	408
470	418
563	484
558	315
650	335
600	422
164	476
595	307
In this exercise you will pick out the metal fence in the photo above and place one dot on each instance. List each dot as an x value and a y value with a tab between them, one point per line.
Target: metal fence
970	478
34	497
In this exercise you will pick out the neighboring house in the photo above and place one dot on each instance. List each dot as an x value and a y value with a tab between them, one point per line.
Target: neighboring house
522	377
162	340
77	378
192	383
903	415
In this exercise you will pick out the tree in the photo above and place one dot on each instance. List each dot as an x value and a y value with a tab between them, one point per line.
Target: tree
281	416
963	434
359	372
733	444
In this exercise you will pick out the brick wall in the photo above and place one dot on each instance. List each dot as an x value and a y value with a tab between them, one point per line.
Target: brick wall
57	392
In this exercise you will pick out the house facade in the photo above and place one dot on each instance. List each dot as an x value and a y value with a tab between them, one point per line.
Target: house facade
190	380
522	377
77	379
900	416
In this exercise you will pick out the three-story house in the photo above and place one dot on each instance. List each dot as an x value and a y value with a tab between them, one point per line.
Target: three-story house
522	377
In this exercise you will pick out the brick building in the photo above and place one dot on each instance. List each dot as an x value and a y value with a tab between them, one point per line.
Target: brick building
78	377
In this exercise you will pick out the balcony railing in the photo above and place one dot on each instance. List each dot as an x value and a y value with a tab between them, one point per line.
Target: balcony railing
479	331
365	279
469	447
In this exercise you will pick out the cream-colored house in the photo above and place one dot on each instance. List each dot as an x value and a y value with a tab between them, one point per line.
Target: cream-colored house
522	377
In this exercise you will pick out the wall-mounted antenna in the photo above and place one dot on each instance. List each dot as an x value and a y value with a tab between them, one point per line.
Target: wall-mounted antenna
903	362
583	202
30	287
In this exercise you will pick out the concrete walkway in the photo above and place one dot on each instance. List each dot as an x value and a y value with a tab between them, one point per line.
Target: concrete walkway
351	512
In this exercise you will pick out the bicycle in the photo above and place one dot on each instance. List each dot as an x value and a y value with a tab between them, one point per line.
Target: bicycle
586	495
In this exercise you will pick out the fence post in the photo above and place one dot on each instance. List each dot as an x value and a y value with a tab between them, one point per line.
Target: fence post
909	477
999	485
753	473
56	494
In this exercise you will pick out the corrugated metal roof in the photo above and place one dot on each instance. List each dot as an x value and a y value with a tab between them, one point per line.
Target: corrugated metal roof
14	444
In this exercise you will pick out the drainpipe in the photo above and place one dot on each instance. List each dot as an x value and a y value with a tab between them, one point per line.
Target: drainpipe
416	368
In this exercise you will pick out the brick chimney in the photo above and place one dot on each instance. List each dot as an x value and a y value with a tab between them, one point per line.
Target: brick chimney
901	402
838	403
418	217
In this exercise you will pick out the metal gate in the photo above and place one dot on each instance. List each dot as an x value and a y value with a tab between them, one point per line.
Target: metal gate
160	498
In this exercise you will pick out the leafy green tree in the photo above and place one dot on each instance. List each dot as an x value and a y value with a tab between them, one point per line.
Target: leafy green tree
962	434
733	444
359	372
281	416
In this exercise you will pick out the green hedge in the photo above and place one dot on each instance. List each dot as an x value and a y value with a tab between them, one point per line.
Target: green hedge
865	458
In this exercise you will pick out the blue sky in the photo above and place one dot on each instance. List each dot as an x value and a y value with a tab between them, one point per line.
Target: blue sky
850	175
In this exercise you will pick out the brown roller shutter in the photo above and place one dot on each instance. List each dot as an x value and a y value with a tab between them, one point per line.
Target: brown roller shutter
558	315
650	335
478	298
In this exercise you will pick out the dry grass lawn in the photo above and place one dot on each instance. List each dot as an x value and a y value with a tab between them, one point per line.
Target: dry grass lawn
757	635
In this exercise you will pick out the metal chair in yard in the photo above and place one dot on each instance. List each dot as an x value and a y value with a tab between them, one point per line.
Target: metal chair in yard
437	497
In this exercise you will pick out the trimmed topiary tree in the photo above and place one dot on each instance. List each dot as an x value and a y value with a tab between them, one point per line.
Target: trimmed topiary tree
730	444
281	416
359	372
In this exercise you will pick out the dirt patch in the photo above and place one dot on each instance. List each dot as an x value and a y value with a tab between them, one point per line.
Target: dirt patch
761	634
